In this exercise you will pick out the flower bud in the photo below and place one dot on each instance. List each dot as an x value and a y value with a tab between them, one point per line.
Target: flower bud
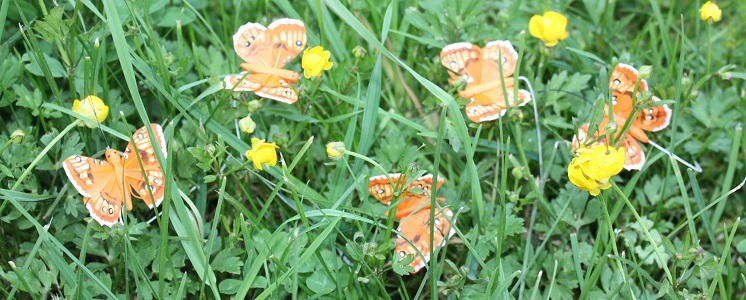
611	127
513	196
645	72
254	106
17	136
710	12
359	52
335	150
516	115
645	97
247	125
686	82
517	172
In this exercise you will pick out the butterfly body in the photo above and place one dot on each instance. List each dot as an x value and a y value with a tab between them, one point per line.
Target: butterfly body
487	72
413	213
107	185
625	85
265	51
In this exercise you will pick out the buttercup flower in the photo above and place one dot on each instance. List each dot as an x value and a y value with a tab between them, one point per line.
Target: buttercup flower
93	108
591	169
335	150
315	60
247	125
710	12
262	153
550	28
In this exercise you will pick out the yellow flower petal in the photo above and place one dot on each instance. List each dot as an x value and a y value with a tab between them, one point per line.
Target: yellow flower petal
93	108
550	28
315	60
710	12
262	153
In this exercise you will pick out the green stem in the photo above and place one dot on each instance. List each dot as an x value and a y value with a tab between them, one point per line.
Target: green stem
709	47
647	233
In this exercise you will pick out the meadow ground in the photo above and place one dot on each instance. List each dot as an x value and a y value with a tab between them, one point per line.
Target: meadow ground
308	226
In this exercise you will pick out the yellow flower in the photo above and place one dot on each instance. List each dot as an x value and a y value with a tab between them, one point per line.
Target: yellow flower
550	28
710	12
591	169
335	150
247	125
93	108
262	153
315	60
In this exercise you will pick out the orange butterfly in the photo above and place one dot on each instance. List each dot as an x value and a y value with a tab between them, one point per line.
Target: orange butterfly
265	51
101	182
622	84
413	213
480	67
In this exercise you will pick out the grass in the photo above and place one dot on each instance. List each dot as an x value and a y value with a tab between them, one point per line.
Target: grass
307	227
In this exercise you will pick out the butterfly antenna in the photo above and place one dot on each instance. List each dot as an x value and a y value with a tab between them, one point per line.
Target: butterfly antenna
696	167
538	129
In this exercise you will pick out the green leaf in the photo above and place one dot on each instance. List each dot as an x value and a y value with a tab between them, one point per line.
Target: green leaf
27	99
319	283
53	26
228	261
55	66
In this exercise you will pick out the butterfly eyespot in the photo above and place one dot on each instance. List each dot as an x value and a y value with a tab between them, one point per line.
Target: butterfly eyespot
380	191
126	156
78	159
402	254
617	82
111	210
437	221
252	39
140	135
649	117
157	181
151	187
247	44
504	59
289	57
299	43
453	64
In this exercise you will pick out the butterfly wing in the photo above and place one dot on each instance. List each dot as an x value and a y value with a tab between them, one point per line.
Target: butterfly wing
654	118
498	53
96	181
144	151
287	39
634	156
251	43
463	59
415	235
380	187
624	78
492	105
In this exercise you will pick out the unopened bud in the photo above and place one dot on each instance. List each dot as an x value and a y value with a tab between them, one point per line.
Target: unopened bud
359	52
335	150
645	72
17	136
611	127
254	106
247	125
